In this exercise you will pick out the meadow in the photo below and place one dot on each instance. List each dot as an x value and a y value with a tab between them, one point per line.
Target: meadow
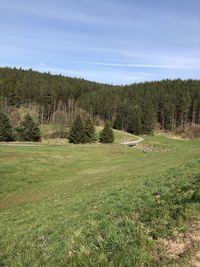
95	204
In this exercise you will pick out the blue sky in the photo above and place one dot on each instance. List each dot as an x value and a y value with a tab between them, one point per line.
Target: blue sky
113	41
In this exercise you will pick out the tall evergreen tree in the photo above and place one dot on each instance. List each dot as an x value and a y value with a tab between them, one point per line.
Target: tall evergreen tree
28	130
6	131
107	134
77	132
118	122
134	124
89	131
148	118
182	112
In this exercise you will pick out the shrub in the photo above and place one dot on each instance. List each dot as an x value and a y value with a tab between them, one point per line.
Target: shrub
192	132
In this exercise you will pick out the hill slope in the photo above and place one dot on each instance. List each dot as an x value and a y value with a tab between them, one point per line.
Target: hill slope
139	106
102	205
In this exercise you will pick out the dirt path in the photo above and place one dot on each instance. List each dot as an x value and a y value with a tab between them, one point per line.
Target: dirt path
19	144
133	143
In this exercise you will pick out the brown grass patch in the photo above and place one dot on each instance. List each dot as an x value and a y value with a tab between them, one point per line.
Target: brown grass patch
180	245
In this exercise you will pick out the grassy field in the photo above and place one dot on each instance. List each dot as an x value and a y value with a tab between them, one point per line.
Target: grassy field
96	205
120	136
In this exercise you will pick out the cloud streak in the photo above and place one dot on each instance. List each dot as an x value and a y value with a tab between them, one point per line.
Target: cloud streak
111	41
157	66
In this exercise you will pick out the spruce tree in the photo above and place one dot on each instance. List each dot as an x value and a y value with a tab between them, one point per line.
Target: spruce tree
118	122
77	132
107	135
6	132
148	118
89	131
134	124
28	130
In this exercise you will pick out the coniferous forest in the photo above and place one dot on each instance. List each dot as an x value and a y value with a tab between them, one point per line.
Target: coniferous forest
136	108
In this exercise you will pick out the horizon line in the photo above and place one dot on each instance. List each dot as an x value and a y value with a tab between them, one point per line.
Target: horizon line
57	73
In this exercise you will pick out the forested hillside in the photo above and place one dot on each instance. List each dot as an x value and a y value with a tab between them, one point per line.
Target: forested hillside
137	108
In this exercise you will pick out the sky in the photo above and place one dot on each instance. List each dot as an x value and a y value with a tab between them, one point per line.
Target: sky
109	41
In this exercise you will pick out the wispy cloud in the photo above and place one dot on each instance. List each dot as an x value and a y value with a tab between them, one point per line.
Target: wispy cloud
105	76
142	65
48	9
111	41
43	65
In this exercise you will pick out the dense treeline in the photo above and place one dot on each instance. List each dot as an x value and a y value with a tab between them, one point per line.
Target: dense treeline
137	108
18	87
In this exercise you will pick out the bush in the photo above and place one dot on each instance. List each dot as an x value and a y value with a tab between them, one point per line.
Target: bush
6	130
58	134
107	135
192	132
28	130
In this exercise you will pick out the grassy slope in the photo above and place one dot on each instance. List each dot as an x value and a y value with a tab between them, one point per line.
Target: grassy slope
120	136
93	205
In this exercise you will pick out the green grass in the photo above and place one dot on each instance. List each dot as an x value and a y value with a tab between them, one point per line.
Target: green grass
120	136
46	129
95	205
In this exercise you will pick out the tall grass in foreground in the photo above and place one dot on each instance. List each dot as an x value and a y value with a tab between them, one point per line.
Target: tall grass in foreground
95	205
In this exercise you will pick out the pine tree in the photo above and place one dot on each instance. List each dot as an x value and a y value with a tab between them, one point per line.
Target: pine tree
134	124
77	132
28	130
107	135
6	132
148	116
118	122
182	108
89	131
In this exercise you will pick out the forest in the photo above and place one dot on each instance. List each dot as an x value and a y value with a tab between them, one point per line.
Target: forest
137	108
